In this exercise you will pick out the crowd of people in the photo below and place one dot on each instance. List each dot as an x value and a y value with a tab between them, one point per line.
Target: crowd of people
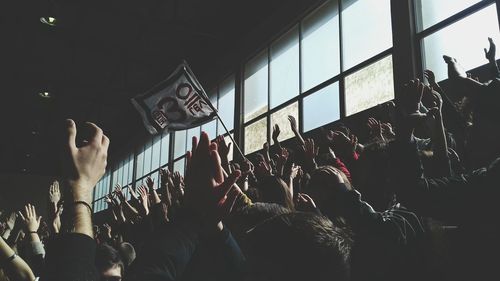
289	213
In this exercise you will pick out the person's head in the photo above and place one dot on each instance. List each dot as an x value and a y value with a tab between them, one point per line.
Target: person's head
127	252
298	246
109	263
324	186
272	189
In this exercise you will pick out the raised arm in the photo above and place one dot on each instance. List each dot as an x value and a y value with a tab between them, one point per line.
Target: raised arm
14	266
491	57
295	129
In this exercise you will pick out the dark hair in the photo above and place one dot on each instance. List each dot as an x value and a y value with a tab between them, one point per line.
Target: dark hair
324	188
108	257
127	252
299	246
272	189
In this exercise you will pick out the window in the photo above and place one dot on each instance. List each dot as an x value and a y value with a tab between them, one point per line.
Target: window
165	148
281	118
226	106
179	166
322	107
320	46
432	11
101	189
193	132
463	40
179	143
256	86
255	135
369	86
284	68
366	29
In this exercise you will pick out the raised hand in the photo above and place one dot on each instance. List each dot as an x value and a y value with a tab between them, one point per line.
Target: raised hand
87	163
281	160
222	147
247	168
208	193
491	53
293	123
54	193
276	132
119	193
375	127
431	78
132	192
108	230
263	169
30	219
150	183
144	195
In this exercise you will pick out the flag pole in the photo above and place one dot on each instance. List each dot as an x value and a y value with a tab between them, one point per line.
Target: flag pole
207	100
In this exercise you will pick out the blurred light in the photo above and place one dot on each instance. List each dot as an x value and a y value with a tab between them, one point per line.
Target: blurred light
51	21
45	95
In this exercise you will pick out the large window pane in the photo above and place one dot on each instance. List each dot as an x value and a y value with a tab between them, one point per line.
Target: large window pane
256	86
210	128
434	11
226	105
165	142
369	86
321	107
180	144
147	158
179	165
155	157
255	135
285	68
320	45
463	40
366	29
140	163
280	117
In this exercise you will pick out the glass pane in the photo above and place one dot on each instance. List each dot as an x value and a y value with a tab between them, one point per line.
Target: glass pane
147	158
226	105
210	128
285	68
369	86
322	107
155	157
120	175
130	169
140	163
255	135
179	166
125	172
256	86
433	11
165	141
320	46
463	40
366	29
179	144
281	118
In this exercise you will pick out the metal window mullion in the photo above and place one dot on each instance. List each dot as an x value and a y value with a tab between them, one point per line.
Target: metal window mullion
342	98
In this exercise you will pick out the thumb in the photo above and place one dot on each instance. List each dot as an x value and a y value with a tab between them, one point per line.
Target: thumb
39	219
485	51
229	145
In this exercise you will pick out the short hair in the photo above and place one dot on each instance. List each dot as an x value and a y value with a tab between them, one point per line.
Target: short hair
299	246
108	257
127	252
272	189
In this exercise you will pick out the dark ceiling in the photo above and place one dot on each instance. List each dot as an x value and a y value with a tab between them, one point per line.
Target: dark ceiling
100	55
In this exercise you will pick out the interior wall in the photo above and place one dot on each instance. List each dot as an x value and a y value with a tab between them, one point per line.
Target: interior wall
16	190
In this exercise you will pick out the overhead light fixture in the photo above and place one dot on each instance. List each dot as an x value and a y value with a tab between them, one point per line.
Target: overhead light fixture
45	95
51	21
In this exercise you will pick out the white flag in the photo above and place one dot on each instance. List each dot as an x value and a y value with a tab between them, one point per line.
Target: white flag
177	103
